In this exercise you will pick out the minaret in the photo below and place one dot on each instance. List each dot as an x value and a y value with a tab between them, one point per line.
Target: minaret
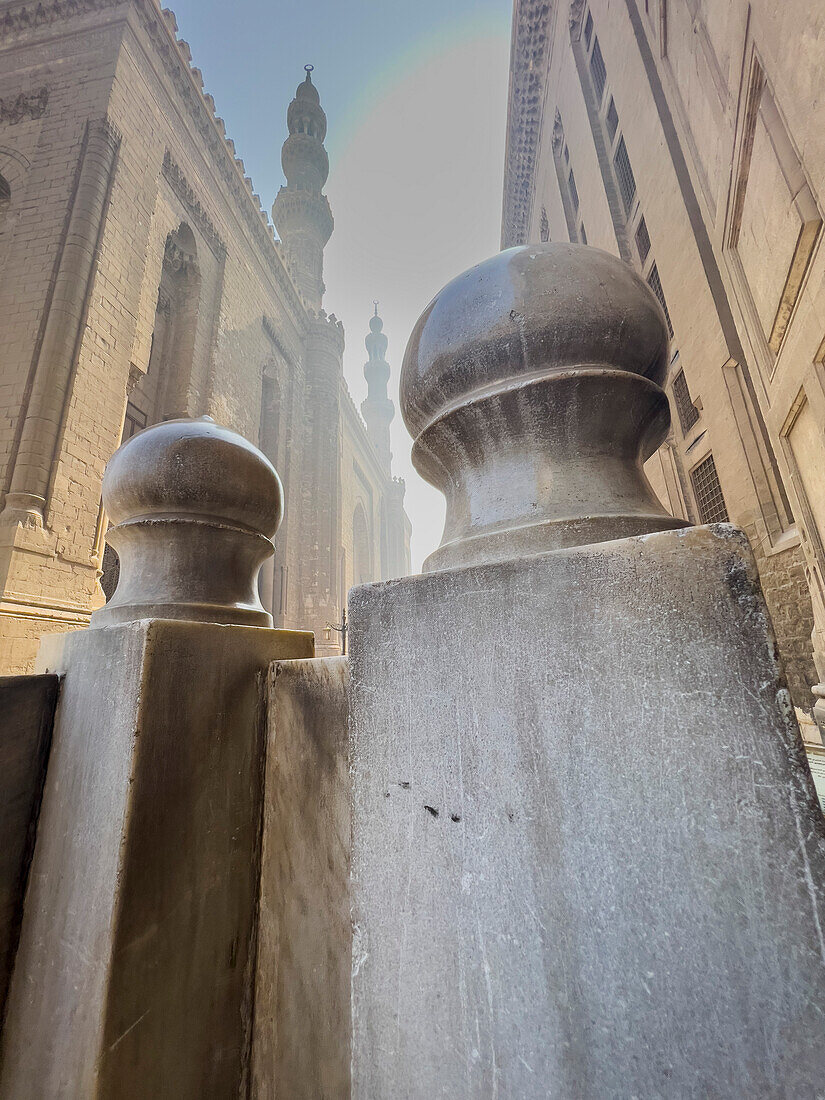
377	409
301	213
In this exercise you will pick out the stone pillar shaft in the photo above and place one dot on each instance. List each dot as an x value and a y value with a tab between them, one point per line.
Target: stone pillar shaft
64	327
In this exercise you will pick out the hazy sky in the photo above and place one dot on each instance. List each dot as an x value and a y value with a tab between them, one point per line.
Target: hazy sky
415	93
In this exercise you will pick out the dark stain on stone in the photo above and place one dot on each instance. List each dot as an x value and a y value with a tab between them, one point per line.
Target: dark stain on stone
431	810
455	817
404	786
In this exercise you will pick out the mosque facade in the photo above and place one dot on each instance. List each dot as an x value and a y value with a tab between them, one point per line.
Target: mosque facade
141	280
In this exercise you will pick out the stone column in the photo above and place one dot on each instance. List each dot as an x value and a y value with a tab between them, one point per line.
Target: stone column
26	500
135	971
588	859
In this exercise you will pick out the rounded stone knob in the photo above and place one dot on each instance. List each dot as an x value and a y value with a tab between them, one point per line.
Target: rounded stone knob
194	507
532	387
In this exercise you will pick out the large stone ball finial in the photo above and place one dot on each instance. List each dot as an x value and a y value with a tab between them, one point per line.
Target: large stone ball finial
194	507
532	386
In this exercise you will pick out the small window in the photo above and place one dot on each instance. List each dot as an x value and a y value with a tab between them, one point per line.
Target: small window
655	284
708	492
612	119
588	30
574	194
583	233
624	174
688	413
597	70
134	422
642	240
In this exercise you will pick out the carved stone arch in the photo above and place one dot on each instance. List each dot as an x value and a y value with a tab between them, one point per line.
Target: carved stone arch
13	169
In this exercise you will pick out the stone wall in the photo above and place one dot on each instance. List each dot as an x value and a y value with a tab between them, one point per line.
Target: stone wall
728	212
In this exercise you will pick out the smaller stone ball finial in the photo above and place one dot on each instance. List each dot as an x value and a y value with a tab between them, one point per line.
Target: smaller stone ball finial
532	387
194	507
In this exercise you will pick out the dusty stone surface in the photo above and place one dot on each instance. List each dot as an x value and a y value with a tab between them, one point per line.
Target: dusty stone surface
587	855
301	1044
532	385
134	975
26	712
194	508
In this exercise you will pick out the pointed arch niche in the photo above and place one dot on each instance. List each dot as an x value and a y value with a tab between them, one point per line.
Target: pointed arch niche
161	393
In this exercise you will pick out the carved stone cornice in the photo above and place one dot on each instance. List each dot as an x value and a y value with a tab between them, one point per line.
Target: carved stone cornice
178	182
528	69
25	105
26	16
188	83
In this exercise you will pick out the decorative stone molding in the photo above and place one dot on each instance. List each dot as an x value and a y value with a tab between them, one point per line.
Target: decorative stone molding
21	17
177	181
26	502
25	105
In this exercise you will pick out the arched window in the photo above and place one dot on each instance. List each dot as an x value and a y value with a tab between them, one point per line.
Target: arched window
361	556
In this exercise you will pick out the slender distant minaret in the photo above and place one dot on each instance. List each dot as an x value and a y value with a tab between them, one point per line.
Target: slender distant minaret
301	212
377	409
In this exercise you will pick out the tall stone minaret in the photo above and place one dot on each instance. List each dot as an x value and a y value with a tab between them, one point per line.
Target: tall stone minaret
301	212
377	409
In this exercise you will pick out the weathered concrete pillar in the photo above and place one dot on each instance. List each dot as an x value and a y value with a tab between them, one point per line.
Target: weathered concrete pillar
588	860
26	500
301	1042
135	971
